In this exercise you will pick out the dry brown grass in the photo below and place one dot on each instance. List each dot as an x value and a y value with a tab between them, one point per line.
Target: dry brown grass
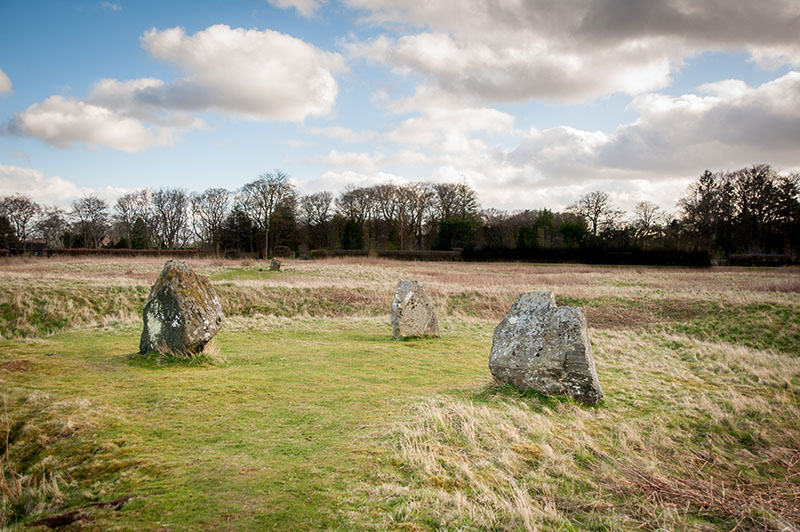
31	477
51	450
692	436
41	296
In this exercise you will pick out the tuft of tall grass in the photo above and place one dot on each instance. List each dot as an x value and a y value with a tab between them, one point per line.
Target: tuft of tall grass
47	460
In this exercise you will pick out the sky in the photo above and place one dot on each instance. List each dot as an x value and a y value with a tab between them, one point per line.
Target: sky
532	102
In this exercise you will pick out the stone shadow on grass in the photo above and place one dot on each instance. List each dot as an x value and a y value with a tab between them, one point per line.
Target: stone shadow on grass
389	340
494	392
158	361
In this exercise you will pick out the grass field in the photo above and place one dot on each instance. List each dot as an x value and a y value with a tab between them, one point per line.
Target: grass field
307	415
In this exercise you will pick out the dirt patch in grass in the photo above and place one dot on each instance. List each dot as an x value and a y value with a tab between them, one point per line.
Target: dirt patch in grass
619	313
17	365
79	514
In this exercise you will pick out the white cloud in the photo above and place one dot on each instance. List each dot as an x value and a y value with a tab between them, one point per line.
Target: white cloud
259	75
60	121
123	96
443	118
374	161
48	190
729	126
5	83
725	126
338	180
251	74
733	125
299	144
512	50
111	6
438	117
531	68
306	8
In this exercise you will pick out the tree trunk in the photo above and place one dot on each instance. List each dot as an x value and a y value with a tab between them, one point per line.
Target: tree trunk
266	238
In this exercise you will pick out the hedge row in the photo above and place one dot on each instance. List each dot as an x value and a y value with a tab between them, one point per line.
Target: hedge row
112	252
583	256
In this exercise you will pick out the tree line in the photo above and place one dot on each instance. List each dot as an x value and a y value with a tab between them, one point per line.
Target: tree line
752	210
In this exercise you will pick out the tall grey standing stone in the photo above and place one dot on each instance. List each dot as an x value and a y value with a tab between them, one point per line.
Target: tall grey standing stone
543	347
182	312
412	311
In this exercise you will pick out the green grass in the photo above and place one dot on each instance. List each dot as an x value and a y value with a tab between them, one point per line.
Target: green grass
332	424
760	326
770	326
40	308
307	415
276	436
248	274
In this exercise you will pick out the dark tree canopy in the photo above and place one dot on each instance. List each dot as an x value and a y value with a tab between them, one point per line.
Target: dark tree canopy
751	210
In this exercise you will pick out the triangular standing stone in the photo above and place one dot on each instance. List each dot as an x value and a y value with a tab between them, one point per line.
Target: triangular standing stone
543	347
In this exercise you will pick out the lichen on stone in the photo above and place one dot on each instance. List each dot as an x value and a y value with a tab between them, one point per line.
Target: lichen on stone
543	347
182	312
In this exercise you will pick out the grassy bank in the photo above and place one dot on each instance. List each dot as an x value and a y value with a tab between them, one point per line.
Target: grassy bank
43	296
312	417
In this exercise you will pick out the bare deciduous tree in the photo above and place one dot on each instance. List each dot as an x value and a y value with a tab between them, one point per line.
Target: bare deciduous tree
315	214
647	217
387	201
356	203
91	218
20	211
134	206
315	209
51	225
209	210
596	208
262	197
170	216
416	205
455	200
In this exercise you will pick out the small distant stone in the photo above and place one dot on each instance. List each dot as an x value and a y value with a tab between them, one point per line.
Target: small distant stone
412	311
274	265
182	313
543	347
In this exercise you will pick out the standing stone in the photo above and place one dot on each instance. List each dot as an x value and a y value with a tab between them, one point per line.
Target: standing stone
274	265
182	312
543	347
412	311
